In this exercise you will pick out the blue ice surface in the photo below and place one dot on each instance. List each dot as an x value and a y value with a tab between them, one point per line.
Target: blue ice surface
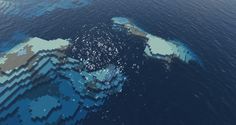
34	8
42	106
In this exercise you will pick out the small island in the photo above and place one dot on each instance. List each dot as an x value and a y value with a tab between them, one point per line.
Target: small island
40	82
21	54
157	47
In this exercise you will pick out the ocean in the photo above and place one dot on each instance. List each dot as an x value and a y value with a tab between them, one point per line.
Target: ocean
182	94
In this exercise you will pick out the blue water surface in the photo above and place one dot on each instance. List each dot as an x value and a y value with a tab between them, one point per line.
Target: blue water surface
155	92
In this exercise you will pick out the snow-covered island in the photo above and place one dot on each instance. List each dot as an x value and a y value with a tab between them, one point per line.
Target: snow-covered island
157	47
39	82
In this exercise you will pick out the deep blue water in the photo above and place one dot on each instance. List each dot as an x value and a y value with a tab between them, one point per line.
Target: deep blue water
187	94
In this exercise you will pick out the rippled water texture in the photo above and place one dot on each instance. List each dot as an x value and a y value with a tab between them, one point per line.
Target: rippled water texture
31	8
156	92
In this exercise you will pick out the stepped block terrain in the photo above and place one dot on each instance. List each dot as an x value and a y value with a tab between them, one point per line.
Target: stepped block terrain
40	84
